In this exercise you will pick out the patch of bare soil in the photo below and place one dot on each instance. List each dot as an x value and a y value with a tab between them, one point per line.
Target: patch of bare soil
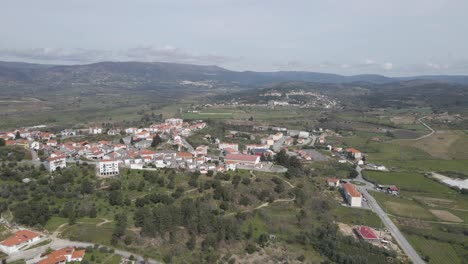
446	216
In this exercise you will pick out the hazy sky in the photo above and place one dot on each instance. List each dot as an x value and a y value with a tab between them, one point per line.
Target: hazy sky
391	37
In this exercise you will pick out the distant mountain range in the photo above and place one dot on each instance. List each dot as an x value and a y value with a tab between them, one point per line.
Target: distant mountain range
139	73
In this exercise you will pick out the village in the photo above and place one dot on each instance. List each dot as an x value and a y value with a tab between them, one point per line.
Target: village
136	150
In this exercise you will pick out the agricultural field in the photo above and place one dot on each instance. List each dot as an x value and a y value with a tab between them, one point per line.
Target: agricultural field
434	251
407	181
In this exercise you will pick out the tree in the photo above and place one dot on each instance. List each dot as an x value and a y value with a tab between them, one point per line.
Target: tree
191	242
2	142
86	187
121	141
17	136
156	141
120	227
115	197
353	174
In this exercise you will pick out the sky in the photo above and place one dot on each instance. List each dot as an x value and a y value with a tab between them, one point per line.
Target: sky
390	37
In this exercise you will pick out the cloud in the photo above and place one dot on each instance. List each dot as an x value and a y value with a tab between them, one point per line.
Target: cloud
387	66
142	53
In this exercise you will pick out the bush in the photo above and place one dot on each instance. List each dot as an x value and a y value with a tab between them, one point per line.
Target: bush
246	181
250	248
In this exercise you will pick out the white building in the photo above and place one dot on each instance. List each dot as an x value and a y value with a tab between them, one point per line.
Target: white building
353	197
304	134
95	130
223	146
20	239
107	168
174	121
55	162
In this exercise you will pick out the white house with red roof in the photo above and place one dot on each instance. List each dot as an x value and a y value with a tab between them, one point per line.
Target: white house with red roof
333	182
64	255
354	153
241	159
225	145
353	196
56	161
18	240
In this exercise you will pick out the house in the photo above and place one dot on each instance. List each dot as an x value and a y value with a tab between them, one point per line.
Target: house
267	141
256	146
107	168
51	142
174	121
352	196
224	145
95	130
366	233
68	133
18	240
201	150
143	144
64	255
183	155
333	182
353	153
304	134
277	136
113	132
242	159
143	134
56	161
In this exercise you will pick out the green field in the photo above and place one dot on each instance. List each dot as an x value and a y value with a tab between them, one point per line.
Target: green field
355	216
438	252
403	207
406	181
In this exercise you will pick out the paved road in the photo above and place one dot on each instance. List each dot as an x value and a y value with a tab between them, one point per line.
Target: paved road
401	240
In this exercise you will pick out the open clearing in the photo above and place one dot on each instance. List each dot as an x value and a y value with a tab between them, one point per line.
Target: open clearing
446	216
438	145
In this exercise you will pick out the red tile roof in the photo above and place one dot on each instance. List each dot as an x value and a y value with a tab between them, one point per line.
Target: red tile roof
351	190
241	157
60	255
352	150
366	232
19	238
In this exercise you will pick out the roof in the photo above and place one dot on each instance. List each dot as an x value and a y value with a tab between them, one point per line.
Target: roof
78	254
366	232
184	154
351	190
241	157
107	160
60	255
19	238
352	150
56	158
332	180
